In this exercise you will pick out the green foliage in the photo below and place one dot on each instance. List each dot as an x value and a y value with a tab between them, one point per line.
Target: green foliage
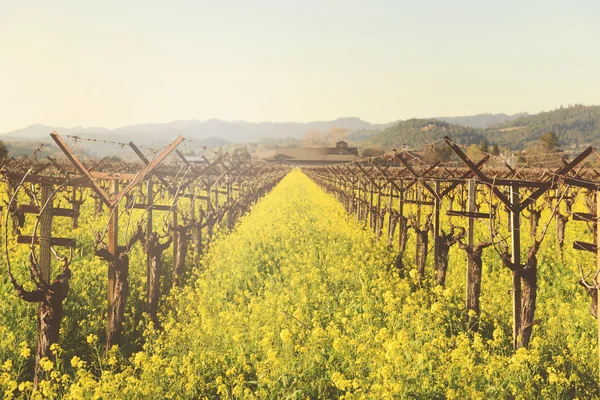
575	125
418	132
3	150
482	120
550	141
437	152
495	151
483	146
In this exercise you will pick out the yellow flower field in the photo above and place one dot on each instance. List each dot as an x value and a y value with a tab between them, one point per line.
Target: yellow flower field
300	301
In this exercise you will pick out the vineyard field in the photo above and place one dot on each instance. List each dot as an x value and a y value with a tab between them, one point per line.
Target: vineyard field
300	300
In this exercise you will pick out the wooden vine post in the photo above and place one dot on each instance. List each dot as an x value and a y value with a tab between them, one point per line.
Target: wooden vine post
470	289
46	215
515	225
598	269
436	223
402	234
113	244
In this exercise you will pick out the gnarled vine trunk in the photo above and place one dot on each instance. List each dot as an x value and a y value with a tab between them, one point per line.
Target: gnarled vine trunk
474	274
184	236
154	249
534	219
527	274
561	222
422	243
50	315
120	264
445	242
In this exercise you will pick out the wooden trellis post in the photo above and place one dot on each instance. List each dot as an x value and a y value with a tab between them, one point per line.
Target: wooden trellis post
436	222
390	214
46	215
598	269
149	229
515	226
470	242
401	226
113	245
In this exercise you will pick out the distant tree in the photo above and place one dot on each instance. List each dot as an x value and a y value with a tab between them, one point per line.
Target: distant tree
337	134
538	152
550	141
241	153
483	146
313	138
495	151
3	150
435	153
369	152
474	152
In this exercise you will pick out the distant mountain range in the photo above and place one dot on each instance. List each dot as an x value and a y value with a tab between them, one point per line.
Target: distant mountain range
231	131
211	133
575	126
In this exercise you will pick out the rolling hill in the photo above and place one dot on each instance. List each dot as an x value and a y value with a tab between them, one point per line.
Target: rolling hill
417	132
575	126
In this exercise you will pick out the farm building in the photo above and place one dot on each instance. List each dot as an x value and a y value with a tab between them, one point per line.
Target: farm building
341	153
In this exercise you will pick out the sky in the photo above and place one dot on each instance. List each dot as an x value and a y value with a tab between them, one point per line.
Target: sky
114	63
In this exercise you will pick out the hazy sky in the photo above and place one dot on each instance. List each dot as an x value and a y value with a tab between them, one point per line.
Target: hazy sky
112	63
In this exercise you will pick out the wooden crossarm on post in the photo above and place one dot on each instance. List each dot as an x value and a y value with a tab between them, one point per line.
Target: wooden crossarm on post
419	202
591	247
452	213
480	175
466	175
367	176
65	242
386	176
352	172
586	217
422	175
577	182
341	173
81	168
56	212
217	161
561	172
153	164
412	171
155	207
147	162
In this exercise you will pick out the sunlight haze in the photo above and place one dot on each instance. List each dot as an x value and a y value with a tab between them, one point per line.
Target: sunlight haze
113	63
